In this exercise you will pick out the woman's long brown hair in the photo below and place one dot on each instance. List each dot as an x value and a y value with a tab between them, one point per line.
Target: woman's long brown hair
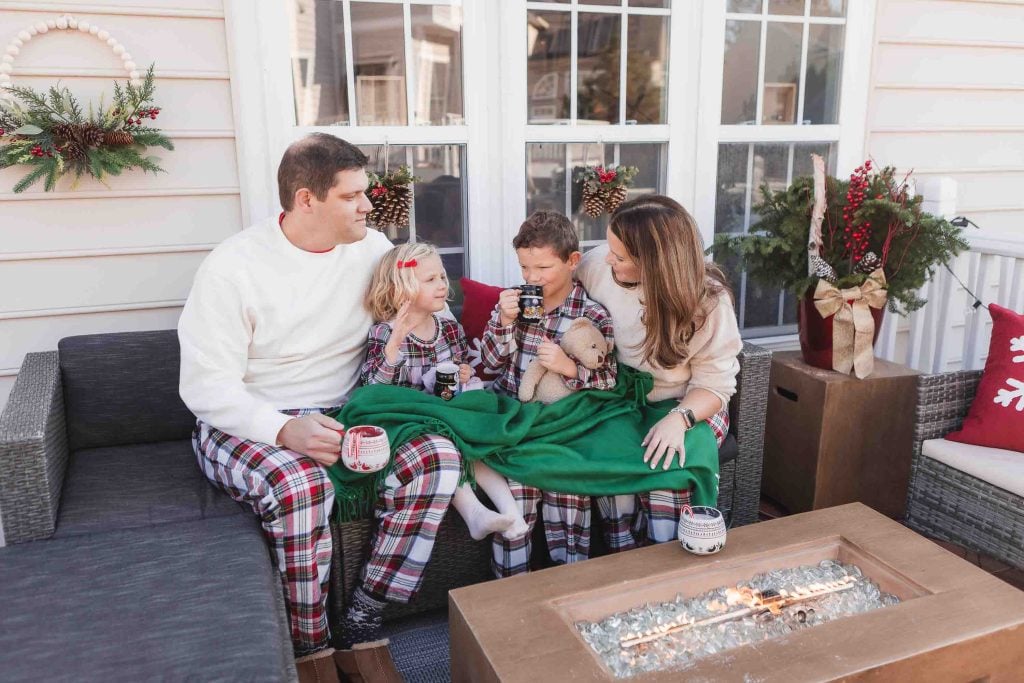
678	287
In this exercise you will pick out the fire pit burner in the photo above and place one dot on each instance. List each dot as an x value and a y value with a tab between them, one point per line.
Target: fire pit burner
676	634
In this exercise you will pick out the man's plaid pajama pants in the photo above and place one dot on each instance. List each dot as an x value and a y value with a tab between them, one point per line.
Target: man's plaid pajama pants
293	498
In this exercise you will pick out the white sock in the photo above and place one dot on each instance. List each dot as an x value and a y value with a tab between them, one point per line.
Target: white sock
496	488
481	521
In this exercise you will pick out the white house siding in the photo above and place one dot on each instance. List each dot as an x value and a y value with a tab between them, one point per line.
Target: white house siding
119	257
947	100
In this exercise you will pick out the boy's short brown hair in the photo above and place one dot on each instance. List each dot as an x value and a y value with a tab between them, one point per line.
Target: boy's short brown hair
548	229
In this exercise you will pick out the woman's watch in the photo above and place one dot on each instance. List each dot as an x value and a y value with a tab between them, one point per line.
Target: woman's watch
688	417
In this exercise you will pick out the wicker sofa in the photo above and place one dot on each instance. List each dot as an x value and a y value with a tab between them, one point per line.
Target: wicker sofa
132	377
949	503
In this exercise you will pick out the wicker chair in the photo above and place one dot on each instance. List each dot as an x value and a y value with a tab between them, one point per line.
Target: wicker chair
948	504
458	560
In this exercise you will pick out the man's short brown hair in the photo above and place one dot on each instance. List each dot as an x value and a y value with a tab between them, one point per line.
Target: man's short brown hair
548	229
312	163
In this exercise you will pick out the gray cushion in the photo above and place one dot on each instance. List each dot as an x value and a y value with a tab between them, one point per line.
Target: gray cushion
197	601
728	451
132	486
123	388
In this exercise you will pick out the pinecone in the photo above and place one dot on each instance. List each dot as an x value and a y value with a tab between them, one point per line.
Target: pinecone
118	137
869	263
822	269
593	201
90	135
392	208
65	131
614	197
73	152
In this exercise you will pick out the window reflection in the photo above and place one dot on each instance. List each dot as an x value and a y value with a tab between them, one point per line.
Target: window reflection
318	63
598	69
548	45
378	49
437	52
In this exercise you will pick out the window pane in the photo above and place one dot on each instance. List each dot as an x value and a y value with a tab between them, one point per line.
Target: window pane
762	305
739	77
437	51
802	152
439	194
790	7
650	159
318	63
782	72
770	167
731	197
824	70
745	6
646	69
615	3
548	45
378	47
545	177
828	8
649	3
455	267
598	67
580	156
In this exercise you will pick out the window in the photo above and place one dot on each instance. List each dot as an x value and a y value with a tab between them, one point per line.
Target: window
780	102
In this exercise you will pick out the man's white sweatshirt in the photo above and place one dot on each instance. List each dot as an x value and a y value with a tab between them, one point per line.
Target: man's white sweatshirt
268	326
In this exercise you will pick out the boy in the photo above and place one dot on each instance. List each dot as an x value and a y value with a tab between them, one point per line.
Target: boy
548	250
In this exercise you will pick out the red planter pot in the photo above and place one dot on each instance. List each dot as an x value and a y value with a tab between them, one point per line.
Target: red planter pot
816	332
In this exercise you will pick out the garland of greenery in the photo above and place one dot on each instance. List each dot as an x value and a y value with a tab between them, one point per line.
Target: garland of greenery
872	220
50	133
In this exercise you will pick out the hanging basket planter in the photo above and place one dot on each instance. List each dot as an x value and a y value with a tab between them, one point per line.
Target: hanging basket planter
605	188
391	197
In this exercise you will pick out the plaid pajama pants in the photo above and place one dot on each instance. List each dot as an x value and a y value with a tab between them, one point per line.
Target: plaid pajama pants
567	519
293	498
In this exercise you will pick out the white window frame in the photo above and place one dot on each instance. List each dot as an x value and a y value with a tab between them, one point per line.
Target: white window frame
496	132
849	134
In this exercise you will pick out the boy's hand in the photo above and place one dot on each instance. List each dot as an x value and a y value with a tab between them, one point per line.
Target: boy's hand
465	373
552	357
314	435
508	306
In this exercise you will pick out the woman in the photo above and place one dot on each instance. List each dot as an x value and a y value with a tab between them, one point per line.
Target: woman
674	318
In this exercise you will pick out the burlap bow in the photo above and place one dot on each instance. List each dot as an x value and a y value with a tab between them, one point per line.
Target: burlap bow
853	328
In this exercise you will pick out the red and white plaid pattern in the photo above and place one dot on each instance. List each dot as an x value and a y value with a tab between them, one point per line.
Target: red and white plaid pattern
417	355
293	498
409	511
510	348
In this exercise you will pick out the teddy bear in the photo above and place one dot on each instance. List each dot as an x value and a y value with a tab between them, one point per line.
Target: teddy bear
582	342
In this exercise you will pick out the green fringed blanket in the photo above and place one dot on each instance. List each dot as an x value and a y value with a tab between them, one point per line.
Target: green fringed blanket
586	443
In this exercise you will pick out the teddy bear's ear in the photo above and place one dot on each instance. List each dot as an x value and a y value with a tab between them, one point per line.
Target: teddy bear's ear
580	322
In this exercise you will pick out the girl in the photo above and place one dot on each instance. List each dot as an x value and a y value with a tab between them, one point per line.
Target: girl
408	291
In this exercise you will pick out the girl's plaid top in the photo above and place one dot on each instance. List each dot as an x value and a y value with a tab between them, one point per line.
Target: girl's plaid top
415	355
510	349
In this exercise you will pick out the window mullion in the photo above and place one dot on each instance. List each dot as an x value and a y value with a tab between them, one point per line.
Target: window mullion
350	67
803	74
623	38
763	58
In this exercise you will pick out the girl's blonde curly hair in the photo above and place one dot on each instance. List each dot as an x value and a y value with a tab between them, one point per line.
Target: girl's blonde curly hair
392	286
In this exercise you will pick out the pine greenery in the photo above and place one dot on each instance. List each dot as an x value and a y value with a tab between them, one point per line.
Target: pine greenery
910	242
51	134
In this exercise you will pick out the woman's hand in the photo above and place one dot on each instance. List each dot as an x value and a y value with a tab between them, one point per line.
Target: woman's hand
665	440
552	357
465	373
508	306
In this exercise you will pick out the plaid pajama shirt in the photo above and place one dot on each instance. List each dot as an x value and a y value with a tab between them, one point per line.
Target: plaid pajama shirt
293	498
416	355
509	349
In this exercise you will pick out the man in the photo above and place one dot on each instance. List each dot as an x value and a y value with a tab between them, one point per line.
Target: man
272	336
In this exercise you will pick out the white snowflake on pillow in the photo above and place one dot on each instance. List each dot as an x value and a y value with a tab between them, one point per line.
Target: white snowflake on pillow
476	361
1005	397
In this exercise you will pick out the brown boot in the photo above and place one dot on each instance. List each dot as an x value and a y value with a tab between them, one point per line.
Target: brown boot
318	667
368	663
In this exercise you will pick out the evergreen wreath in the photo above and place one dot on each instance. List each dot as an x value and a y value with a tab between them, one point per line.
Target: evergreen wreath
51	133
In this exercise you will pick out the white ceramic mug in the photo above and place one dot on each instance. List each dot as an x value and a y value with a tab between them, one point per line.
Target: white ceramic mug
365	448
701	529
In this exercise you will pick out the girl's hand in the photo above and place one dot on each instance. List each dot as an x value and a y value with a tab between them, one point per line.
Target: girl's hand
403	323
552	357
465	373
665	440
508	306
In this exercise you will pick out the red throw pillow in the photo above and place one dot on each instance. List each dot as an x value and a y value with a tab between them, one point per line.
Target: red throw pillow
478	302
996	417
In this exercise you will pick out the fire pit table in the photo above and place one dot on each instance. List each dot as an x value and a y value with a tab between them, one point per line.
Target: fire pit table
938	617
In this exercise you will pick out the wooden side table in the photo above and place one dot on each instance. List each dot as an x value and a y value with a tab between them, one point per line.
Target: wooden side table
832	439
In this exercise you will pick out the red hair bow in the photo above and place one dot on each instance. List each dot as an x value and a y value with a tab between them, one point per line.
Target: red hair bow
411	263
